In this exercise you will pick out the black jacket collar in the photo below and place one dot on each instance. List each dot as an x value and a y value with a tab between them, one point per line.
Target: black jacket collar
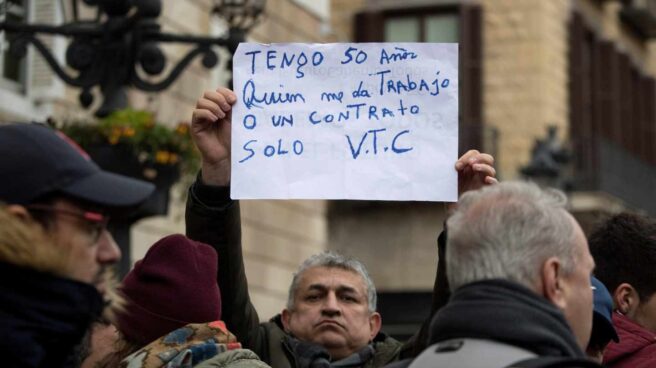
507	312
43	317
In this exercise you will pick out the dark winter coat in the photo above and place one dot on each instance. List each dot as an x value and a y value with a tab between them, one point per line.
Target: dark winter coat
43	316
496	323
637	346
212	218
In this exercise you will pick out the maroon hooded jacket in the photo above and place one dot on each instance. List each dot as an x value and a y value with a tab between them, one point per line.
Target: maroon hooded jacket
637	346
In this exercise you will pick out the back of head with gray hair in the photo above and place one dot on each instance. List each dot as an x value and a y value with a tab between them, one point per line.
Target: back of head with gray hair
334	260
508	231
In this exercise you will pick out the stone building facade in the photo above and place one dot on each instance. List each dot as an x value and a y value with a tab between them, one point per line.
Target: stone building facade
583	66
277	235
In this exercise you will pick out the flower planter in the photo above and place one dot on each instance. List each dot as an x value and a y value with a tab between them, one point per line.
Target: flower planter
121	159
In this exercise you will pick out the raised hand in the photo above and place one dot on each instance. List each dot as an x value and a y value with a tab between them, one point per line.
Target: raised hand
475	170
210	130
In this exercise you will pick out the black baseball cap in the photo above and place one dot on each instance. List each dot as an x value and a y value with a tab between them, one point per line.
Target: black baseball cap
36	160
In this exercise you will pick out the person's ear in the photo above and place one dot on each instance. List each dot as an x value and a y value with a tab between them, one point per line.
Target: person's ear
286	316
375	323
626	299
19	211
552	287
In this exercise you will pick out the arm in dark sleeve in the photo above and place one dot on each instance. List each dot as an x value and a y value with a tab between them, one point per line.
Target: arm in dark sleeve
441	290
441	294
213	218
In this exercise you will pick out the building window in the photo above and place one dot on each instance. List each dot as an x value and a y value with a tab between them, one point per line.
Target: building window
14	71
420	28
443	23
612	118
402	30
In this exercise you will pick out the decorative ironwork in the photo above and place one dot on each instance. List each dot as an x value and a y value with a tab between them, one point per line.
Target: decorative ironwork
239	14
121	47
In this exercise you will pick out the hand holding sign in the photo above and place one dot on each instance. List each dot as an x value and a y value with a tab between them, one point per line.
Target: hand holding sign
475	170
211	132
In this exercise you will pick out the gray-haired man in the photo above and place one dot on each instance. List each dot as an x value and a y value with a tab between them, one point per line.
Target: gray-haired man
332	304
330	318
519	267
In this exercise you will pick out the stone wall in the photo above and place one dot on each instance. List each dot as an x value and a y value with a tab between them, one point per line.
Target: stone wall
525	75
525	90
341	17
397	241
277	235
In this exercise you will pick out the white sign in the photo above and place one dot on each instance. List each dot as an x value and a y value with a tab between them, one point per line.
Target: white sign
345	121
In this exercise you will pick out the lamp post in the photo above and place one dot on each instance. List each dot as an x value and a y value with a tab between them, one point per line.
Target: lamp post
120	48
240	16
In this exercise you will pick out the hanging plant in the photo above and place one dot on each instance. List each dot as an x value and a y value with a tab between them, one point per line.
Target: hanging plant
151	144
132	143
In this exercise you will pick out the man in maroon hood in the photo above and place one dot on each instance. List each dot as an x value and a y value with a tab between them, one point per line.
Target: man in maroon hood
624	249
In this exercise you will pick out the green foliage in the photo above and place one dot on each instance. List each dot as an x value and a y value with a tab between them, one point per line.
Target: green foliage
152	143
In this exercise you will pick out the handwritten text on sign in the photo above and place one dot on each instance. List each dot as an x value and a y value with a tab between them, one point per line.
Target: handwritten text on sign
345	121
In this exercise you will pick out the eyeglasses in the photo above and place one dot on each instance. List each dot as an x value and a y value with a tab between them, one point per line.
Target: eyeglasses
96	222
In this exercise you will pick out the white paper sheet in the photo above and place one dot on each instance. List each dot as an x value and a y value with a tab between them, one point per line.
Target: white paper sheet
376	121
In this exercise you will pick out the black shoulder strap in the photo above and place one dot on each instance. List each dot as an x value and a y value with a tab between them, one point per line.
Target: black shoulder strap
555	362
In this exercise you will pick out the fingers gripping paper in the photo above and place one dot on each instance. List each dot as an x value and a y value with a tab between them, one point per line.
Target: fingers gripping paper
345	121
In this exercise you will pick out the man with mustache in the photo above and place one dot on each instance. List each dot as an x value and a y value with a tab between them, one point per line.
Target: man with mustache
54	244
330	318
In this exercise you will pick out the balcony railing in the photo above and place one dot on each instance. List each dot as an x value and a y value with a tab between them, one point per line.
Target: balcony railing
605	166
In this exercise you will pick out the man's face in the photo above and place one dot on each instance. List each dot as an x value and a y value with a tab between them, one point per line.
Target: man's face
331	309
91	248
578	290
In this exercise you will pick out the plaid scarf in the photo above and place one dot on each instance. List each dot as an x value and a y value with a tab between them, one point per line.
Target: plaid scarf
309	355
184	347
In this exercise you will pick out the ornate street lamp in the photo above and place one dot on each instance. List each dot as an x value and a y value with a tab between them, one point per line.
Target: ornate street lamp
121	47
240	16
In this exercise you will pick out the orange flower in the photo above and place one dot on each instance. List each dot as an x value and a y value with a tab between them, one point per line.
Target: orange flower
129	132
174	158
182	128
162	157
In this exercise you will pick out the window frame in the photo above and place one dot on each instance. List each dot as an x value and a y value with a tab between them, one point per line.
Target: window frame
421	13
369	26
